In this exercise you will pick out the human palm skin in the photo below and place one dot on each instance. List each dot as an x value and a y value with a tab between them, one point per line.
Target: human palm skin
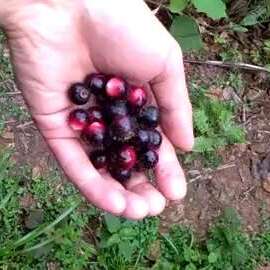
56	43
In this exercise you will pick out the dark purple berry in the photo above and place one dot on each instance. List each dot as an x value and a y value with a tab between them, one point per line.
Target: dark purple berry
149	159
96	83
95	114
95	133
79	94
120	175
78	119
155	139
122	129
116	88
137	98
127	157
116	108
142	139
149	117
98	159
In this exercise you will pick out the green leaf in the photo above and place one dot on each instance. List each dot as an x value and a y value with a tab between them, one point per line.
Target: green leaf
186	32
178	5
239	28
114	239
215	9
126	249
113	224
253	17
212	257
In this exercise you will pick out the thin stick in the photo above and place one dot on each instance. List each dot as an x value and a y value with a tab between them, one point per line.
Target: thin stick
11	93
228	65
24	125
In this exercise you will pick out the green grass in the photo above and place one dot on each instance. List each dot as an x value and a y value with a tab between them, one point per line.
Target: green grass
62	237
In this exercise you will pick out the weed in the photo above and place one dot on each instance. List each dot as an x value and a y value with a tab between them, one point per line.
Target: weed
214	125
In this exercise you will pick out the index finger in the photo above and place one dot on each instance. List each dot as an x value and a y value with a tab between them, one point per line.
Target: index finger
171	93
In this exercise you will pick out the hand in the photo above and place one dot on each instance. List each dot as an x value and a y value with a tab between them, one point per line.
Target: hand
55	43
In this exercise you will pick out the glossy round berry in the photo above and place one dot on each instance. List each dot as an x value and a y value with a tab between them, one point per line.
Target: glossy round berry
78	119
95	114
120	175
122	129
149	117
127	157
116	108
155	139
116	88
137	98
96	83
98	159
79	94
149	159
95	133
142	139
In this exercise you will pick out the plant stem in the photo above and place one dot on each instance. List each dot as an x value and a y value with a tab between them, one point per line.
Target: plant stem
229	65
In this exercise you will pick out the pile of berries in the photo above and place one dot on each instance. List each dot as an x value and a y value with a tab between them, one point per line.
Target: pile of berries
120	127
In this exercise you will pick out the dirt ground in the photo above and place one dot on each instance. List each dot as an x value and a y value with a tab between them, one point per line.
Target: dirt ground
240	181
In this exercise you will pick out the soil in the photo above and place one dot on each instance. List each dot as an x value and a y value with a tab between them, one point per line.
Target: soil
242	181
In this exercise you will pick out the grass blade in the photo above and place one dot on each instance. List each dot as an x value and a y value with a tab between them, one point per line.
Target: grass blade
5	200
40	245
34	234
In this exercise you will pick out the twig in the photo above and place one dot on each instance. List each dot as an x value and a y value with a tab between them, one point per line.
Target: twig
12	93
226	166
194	179
22	126
228	65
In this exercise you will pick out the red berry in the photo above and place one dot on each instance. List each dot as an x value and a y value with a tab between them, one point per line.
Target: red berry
122	129
79	94
78	119
98	159
127	157
95	114
116	88
137	98
96	83
149	159
95	133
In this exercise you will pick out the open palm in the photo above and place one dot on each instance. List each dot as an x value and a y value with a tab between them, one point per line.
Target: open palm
56	43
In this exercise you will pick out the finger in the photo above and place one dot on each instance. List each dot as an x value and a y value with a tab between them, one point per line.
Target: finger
78	168
170	177
140	185
137	206
172	97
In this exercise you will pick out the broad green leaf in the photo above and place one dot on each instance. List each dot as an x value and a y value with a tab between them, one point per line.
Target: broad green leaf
114	239
113	223
178	5
253	17
126	249
215	9
186	32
